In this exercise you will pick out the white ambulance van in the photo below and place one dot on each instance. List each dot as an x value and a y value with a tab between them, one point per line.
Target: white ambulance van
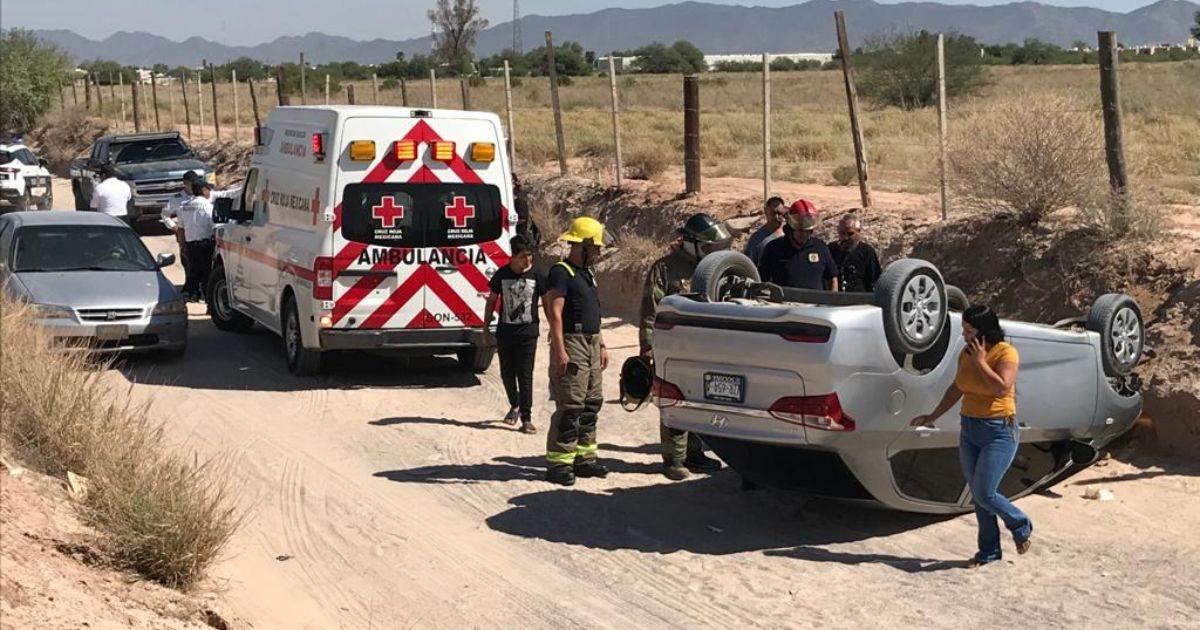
367	228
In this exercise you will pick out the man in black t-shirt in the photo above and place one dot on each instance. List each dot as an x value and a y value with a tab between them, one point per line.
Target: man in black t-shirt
858	265
577	357
799	259
516	288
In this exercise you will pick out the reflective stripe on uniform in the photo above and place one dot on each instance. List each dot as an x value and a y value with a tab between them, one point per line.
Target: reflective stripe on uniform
584	450
564	265
561	458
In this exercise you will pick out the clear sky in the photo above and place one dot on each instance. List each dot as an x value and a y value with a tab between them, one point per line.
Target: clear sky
248	22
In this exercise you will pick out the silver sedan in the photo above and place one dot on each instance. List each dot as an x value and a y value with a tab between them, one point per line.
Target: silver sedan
91	282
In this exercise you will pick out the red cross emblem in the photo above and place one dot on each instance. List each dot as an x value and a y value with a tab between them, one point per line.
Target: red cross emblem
387	212
459	212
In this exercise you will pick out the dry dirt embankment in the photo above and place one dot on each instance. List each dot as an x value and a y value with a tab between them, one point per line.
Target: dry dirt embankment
1041	273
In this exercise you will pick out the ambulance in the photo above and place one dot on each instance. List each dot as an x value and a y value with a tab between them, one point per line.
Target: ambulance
366	228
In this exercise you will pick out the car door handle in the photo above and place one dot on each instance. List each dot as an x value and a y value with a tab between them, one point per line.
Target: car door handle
926	431
248	239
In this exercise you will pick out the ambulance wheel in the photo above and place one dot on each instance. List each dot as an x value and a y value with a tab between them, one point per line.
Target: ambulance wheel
221	310
912	296
476	358
301	361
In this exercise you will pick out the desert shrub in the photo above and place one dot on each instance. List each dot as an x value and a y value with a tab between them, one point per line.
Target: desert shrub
901	70
645	162
1136	214
1026	155
63	135
30	72
845	175
389	84
156	513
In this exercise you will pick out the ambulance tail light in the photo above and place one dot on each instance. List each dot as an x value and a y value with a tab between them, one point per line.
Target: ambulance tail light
443	151
483	152
405	150
323	280
318	146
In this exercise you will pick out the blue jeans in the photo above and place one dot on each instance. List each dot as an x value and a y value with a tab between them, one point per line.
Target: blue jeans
987	447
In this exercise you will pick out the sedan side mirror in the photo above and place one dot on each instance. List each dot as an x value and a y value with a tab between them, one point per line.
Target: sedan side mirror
165	260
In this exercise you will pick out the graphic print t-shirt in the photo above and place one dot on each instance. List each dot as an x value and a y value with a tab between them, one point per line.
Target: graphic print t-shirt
520	295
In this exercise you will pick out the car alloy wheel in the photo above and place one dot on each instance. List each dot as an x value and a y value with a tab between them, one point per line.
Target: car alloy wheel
291	337
1126	336
921	308
220	299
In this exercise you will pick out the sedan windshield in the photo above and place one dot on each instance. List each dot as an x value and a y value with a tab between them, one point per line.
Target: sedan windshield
79	248
150	151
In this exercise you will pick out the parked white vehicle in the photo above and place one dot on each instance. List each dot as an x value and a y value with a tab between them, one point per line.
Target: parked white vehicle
367	228
814	391
24	179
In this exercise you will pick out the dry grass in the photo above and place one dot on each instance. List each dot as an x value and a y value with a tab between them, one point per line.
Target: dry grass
156	513
810	125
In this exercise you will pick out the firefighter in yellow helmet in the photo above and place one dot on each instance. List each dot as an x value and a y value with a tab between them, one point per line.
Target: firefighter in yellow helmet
577	357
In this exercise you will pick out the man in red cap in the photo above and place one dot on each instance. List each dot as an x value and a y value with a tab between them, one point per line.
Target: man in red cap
799	260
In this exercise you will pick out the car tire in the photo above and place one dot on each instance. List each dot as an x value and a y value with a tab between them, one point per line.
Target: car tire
221	310
912	295
476	358
715	268
301	361
1118	320
956	299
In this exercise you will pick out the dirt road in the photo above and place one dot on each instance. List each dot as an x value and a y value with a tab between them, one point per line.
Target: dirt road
382	495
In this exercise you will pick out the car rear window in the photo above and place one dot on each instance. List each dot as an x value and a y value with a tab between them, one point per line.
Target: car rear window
421	215
150	151
79	248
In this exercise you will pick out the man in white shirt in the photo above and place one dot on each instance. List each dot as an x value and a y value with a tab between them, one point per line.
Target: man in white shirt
196	217
170	214
111	196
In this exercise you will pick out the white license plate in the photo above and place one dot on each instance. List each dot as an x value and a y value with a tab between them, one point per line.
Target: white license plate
111	332
724	387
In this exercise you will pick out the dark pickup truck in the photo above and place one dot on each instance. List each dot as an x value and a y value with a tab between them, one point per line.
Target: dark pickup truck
152	163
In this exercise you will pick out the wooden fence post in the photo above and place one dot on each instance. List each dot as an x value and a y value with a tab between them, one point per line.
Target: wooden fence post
433	87
200	99
137	109
1110	101
349	93
303	84
508	109
559	137
375	86
212	77
121	83
254	108
112	95
691	134
766	125
941	79
87	92
75	91
616	117
154	93
99	94
62	96
403	92
327	89
237	116
281	89
466	93
187	110
171	101
860	158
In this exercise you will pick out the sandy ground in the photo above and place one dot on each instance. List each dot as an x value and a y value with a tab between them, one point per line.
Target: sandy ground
383	495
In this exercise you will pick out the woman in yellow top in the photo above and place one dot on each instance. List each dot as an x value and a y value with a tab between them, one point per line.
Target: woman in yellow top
987	374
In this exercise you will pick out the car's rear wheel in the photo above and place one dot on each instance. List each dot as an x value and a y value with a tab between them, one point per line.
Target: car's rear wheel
1118	320
221	310
477	358
956	299
301	361
912	295
715	270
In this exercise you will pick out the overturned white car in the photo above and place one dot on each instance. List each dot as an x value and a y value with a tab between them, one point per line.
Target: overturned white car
813	391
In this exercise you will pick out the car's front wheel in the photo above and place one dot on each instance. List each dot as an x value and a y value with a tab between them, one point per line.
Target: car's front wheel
913	298
301	361
1118	320
221	310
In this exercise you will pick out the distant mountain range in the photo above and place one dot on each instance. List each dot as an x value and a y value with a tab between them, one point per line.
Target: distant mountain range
714	28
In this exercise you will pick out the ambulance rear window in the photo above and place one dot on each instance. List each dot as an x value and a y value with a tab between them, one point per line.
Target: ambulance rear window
421	215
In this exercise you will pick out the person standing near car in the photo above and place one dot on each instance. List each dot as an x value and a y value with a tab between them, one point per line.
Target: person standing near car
516	288
772	228
174	205
800	260
857	262
112	196
196	216
699	236
986	384
578	357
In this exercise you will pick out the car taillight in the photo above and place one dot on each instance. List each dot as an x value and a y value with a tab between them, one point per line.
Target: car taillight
663	324
815	412
666	394
323	282
801	338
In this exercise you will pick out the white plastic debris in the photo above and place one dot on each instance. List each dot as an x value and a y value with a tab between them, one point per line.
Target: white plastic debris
1099	494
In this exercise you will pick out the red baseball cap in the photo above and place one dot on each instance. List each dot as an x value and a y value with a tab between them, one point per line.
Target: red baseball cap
802	215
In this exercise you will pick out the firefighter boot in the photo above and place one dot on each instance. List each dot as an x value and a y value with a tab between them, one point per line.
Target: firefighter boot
561	475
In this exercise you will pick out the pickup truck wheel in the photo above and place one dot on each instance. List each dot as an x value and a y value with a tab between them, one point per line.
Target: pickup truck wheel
301	361
714	271
476	358
913	298
223	315
1118	320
